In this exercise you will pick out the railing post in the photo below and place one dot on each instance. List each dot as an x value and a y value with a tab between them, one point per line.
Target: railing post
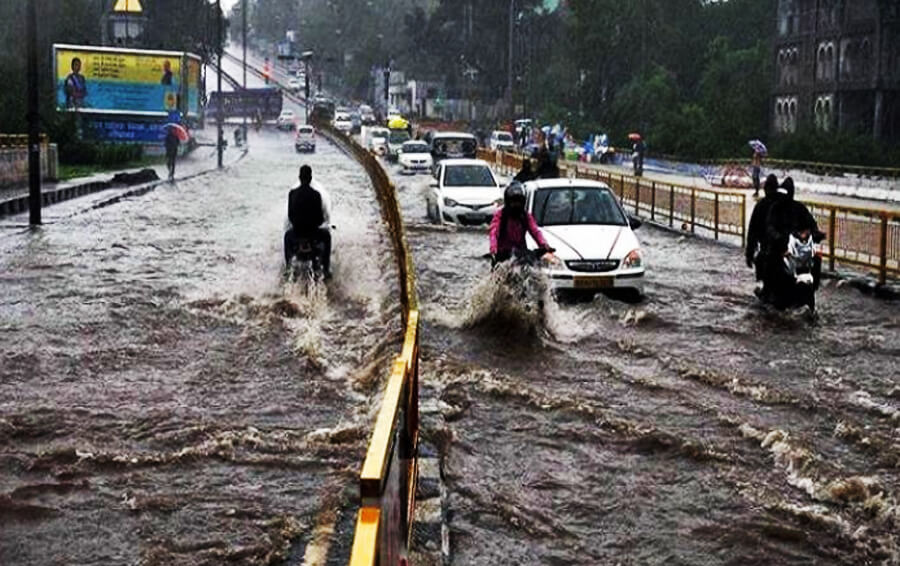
637	196
672	206
743	221
832	238
882	269
693	208
716	216
653	200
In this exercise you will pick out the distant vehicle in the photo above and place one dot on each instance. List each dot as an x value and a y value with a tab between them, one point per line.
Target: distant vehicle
396	139
286	120
592	235
342	122
378	140
415	157
367	115
294	85
305	141
450	145
356	122
502	141
465	191
301	74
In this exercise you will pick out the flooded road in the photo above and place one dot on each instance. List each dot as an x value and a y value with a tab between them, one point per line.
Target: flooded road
693	428
165	397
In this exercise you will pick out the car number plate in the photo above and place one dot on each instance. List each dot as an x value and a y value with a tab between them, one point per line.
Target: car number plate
593	282
475	217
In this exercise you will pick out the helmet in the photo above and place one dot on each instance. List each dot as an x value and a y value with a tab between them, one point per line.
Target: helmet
514	195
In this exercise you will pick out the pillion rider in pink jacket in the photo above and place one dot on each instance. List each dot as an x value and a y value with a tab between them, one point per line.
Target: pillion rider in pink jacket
511	223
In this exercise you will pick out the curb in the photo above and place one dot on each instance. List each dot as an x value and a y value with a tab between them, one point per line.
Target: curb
19	205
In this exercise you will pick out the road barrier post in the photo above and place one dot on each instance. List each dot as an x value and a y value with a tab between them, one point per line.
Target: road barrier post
743	221
832	238
882	270
693	208
637	196
653	200
671	206
716	216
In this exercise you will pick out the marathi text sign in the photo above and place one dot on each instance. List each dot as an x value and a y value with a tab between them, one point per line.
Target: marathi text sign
96	79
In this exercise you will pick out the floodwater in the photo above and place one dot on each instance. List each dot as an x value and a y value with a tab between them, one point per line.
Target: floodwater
165	396
692	428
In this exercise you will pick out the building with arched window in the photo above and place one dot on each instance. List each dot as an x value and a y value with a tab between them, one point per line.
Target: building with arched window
837	65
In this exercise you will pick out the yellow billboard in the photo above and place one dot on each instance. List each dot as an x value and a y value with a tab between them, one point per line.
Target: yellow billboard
131	81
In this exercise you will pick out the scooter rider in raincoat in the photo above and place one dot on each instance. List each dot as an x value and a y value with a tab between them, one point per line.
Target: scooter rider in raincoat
510	225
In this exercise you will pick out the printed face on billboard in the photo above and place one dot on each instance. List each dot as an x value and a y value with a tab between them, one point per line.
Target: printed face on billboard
93	80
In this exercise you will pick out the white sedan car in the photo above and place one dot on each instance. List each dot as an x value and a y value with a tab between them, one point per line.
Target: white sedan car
415	157
465	191
596	249
294	84
343	122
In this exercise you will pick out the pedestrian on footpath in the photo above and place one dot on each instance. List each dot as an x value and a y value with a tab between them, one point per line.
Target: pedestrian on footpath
172	142
756	169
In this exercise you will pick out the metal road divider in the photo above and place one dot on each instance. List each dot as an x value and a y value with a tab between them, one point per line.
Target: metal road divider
387	480
857	236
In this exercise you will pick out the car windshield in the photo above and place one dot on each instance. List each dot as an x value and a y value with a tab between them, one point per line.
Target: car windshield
469	176
415	148
399	136
287	114
577	205
304	130
504	137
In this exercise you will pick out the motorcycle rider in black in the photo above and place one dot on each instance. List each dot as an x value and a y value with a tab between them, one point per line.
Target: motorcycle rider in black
757	249
308	212
786	216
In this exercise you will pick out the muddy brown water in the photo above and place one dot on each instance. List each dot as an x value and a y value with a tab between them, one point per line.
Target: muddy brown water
692	428
165	396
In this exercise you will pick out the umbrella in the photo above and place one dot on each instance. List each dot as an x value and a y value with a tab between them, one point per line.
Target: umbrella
759	147
180	131
634	136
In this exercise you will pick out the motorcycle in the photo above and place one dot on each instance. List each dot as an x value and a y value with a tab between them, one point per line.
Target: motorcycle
308	260
521	276
795	284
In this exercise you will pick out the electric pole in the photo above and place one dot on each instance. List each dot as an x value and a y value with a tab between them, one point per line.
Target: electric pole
219	110
34	121
509	77
244	41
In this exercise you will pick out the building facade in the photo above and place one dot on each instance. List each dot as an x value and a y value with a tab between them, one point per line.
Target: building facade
837	67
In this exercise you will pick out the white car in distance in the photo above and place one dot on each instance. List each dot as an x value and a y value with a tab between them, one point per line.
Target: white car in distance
378	140
596	248
502	141
294	84
343	122
286	120
465	192
415	157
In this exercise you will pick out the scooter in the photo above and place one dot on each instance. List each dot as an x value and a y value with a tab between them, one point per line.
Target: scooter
796	284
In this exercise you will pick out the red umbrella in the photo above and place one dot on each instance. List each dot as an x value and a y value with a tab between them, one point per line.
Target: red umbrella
634	136
181	132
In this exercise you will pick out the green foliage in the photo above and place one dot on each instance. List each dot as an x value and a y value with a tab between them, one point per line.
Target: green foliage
105	155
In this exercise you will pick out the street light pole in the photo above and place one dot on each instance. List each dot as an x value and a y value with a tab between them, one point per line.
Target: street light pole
34	121
244	41
219	118
509	77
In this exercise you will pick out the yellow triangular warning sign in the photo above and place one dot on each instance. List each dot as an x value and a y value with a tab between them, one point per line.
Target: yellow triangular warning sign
132	6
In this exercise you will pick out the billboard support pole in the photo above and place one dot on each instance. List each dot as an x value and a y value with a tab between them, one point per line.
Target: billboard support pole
244	42
220	136
34	121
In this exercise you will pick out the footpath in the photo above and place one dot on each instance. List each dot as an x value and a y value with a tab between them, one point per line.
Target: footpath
14	200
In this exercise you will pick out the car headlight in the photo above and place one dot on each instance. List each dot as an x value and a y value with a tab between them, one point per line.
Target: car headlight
633	260
450	202
550	260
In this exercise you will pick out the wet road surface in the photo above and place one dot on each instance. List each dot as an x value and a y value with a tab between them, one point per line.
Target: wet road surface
165	397
693	428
